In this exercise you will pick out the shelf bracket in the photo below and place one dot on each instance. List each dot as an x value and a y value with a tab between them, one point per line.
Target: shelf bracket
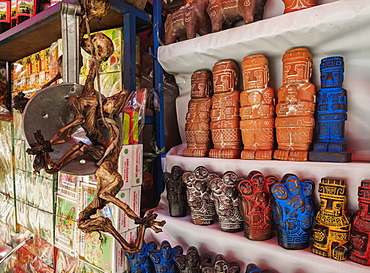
70	18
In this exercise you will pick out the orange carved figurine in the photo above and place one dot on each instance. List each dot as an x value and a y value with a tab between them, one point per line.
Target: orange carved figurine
296	106
294	5
198	133
257	110
225	111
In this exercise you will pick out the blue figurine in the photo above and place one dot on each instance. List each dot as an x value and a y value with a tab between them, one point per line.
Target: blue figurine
164	258
293	210
331	114
140	261
253	268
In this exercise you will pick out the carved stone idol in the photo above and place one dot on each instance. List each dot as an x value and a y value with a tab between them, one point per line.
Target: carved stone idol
198	133
164	258
225	111
188	21
176	192
192	261
220	265
360	234
331	114
225	13
198	192
296	106
255	205
257	110
332	230
294	5
140	261
225	195
293	211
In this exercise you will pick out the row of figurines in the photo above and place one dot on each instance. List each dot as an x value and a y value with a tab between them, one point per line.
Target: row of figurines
205	16
260	204
222	122
172	260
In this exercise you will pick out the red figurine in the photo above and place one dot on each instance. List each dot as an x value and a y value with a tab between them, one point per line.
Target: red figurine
360	236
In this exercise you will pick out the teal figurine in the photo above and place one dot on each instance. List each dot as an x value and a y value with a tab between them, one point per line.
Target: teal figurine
253	268
164	258
293	210
331	108
140	261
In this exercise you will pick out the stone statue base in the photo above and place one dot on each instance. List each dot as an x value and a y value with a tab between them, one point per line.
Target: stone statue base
257	155
290	155
196	152
224	153
330	156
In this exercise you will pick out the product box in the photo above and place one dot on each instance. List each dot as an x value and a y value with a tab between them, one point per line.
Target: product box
122	223
64	262
98	249
66	227
126	165
68	184
135	202
138	165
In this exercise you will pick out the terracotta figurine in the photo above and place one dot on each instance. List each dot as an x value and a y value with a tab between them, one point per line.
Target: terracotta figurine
140	261
332	230
198	133
294	5
257	111
225	196
296	106
225	111
164	258
331	114
220	265
255	205
293	211
176	192
188	21
202	207
225	13
360	234
192	261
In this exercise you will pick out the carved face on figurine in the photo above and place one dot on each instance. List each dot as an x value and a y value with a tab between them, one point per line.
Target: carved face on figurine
294	5
192	256
255	75
225	76
297	66
332	70
201	84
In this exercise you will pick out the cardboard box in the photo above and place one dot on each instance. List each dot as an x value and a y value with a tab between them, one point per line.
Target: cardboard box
126	165
135	202
122	223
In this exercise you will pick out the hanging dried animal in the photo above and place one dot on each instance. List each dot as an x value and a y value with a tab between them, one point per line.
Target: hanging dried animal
93	112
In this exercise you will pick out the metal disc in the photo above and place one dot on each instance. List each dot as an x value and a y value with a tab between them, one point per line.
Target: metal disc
49	110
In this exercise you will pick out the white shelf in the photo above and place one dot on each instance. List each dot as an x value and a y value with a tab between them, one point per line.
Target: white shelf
235	246
332	28
337	28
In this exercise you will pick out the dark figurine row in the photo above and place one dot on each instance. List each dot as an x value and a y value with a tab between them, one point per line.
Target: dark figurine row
205	16
172	260
223	122
261	203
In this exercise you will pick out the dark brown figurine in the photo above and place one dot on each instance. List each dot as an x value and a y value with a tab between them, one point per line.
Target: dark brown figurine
198	133
192	261
220	265
333	224
225	195
176	191
225	13
255	205
224	114
202	207
360	235
188	21
257	111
